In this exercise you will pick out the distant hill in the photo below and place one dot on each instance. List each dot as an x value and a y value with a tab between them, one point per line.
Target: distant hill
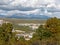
22	16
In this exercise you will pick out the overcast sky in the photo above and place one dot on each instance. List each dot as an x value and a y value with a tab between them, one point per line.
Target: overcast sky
49	7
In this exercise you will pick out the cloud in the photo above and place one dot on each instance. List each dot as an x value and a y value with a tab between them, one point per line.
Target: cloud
10	7
25	4
4	2
12	12
36	7
31	3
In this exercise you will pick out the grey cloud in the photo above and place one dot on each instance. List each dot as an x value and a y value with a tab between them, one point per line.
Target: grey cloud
5	2
53	10
9	7
57	1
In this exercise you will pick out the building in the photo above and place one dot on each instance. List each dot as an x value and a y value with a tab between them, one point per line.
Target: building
1	22
20	33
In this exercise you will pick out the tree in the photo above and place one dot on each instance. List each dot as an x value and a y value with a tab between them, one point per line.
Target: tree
42	33
6	32
53	24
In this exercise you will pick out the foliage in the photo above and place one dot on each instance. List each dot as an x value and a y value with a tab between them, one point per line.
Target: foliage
42	33
5	33
53	24
45	34
49	31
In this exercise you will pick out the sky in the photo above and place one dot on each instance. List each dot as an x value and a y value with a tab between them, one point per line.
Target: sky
49	8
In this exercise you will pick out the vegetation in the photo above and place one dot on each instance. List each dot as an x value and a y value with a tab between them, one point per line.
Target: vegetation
5	33
17	21
23	28
48	34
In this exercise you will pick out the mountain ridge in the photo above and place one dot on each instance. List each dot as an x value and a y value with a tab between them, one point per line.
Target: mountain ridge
31	16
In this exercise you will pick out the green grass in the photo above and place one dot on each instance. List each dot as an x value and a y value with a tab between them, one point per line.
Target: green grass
15	23
14	20
23	28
